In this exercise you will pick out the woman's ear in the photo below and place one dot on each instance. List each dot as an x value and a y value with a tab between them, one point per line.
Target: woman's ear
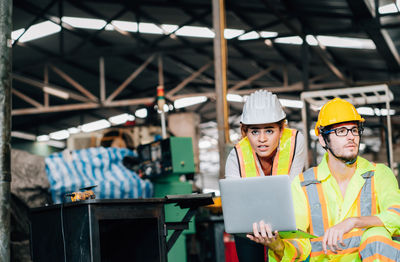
243	130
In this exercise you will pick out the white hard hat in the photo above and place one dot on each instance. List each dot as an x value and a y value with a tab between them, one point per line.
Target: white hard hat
262	107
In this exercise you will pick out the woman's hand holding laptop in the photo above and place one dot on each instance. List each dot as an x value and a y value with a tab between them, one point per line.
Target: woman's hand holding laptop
262	234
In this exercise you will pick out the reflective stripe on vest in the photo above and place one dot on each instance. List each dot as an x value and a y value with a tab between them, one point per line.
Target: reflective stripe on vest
395	209
246	157
282	160
284	156
318	211
351	240
366	201
380	248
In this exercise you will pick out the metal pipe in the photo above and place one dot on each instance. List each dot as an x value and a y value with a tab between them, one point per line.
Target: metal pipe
220	66
5	125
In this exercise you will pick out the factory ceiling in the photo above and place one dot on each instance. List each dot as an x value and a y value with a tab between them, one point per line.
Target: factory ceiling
68	71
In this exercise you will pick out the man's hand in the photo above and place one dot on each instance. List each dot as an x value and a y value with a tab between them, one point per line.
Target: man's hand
334	235
263	235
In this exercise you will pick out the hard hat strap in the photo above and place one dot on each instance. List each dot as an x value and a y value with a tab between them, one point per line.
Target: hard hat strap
344	160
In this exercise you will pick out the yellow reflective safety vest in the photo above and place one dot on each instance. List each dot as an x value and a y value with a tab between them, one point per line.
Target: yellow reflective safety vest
282	161
319	204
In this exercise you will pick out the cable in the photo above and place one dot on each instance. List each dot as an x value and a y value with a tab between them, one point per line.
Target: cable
62	228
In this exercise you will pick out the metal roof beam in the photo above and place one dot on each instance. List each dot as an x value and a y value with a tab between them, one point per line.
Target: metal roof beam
323	54
364	14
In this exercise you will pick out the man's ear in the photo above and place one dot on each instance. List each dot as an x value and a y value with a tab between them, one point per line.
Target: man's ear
321	141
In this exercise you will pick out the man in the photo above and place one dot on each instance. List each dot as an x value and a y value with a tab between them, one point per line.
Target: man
351	204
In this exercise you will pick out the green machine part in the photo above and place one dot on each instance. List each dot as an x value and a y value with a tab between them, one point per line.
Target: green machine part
177	159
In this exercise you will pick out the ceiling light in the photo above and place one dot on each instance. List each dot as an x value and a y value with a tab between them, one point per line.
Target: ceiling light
346	42
43	138
234	98
383	112
123	25
86	23
73	130
56	92
23	135
390	8
141	113
311	40
268	34
367	111
169	28
59	135
249	36
15	34
96	125
121	119
40	30
294	40
195	31
189	101
150	28
232	33
291	103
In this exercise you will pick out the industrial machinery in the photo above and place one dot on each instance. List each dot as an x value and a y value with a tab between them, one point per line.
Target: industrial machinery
168	163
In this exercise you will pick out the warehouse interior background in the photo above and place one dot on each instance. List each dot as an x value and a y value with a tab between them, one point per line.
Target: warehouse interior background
82	68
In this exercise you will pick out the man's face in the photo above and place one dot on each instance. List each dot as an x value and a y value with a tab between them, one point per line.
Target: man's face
343	146
264	138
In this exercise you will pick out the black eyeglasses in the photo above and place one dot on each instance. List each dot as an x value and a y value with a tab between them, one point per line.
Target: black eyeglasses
343	131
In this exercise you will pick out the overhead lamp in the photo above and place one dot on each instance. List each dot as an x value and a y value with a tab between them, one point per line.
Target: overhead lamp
384	112
141	113
15	34
346	42
294	40
121	119
40	30
367	111
86	23
195	31
59	135
73	130
234	98
268	34
96	125
150	28
291	103
169	28
249	36
56	92
232	33
189	101
23	135
43	138
390	8
123	25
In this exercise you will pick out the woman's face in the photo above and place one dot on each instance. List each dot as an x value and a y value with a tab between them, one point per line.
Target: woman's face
264	138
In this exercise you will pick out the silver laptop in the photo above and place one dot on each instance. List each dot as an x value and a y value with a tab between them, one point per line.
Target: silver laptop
267	198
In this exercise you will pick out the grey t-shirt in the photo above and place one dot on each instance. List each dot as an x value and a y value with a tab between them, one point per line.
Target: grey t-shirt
299	158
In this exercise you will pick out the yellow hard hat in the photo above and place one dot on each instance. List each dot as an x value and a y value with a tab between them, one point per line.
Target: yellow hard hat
336	111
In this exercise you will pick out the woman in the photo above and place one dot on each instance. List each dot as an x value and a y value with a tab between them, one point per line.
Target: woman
267	148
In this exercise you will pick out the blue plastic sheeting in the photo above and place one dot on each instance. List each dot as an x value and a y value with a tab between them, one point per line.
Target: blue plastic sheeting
68	171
